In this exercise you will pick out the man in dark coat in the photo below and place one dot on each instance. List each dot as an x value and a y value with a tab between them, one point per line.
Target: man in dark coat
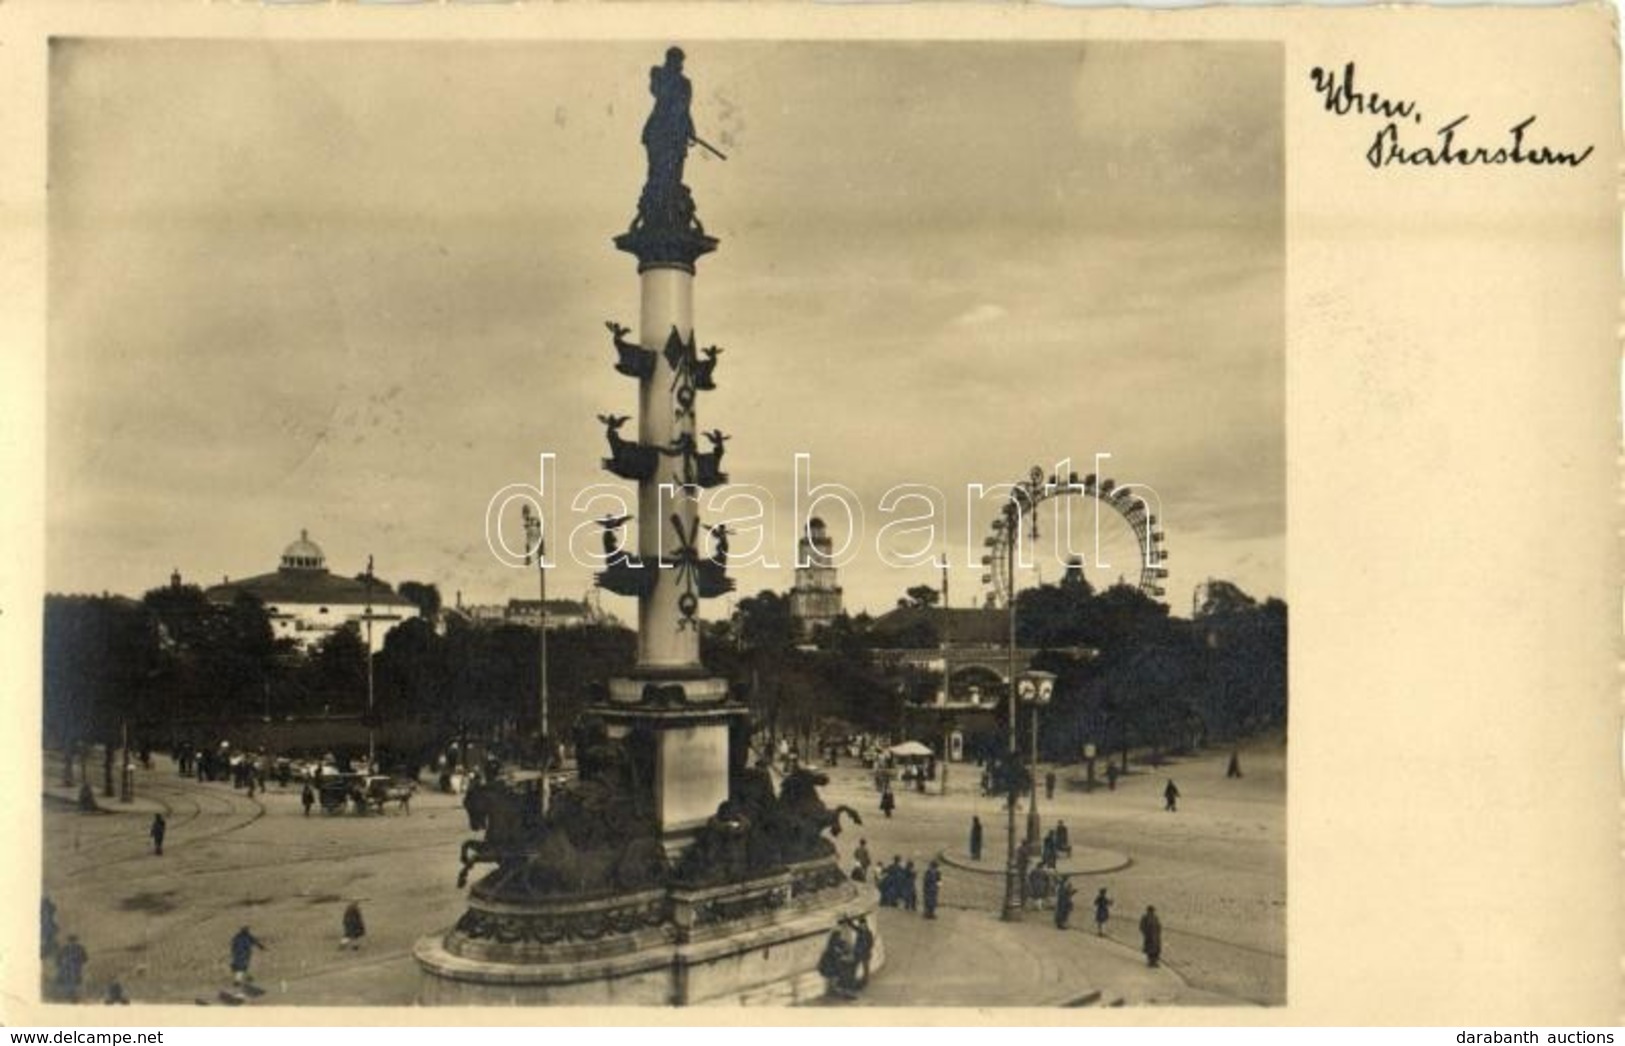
1234	769
1063	839
1103	911
933	884
911	896
1063	902
1049	785
863	947
307	797
975	838
1151	936
835	965
888	803
1170	797
354	927
70	968
157	832
242	953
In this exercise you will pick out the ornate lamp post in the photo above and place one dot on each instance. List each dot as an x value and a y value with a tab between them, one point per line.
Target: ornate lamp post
1035	688
1024	497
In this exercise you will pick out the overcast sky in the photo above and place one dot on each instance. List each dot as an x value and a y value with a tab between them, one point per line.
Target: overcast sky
358	288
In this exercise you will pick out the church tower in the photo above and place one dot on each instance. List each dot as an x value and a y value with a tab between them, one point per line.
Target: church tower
815	601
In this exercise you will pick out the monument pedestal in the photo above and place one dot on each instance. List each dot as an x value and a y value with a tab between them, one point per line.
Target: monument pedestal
755	942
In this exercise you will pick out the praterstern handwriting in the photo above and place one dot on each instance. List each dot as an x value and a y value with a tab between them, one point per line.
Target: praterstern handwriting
1388	150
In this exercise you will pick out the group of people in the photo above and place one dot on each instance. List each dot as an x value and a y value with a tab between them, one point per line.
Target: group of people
900	886
70	956
845	961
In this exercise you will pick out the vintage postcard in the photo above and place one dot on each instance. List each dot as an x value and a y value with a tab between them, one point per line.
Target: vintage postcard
944	514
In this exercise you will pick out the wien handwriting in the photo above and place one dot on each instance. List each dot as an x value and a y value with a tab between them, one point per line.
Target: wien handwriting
1343	96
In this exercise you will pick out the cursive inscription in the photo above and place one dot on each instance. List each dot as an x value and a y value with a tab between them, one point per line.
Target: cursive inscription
1343	96
1387	150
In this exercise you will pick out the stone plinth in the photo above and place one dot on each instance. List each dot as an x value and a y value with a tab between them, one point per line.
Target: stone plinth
755	942
690	746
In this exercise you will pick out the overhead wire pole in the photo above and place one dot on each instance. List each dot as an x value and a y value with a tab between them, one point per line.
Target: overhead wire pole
1012	885
534	539
372	728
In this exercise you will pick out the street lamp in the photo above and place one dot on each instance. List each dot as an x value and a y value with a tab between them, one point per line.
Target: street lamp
1024	496
1035	688
535	540
372	739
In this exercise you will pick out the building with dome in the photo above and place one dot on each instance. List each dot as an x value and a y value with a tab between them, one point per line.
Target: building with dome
815	600
306	602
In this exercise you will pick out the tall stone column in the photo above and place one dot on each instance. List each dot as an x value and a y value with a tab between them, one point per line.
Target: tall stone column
681	714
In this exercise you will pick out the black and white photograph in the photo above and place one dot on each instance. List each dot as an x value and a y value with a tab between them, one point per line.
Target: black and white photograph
789	515
789	523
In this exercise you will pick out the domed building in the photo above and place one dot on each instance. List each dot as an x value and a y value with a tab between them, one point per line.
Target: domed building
306	602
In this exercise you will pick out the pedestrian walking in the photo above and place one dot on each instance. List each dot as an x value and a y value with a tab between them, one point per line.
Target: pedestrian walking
861	856
70	968
975	838
888	802
1103	911
1047	853
354	928
911	893
1064	895
933	887
1151	936
1234	769
1063	839
47	928
1170	797
1049	785
159	827
307	798
242	954
863	948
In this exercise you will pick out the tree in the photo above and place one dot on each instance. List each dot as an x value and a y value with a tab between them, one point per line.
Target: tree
920	597
424	596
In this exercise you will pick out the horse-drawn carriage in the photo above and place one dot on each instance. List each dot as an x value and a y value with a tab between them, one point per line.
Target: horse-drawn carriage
364	794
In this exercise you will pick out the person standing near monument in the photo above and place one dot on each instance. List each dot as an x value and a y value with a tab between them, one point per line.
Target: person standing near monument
1151	936
933	886
861	856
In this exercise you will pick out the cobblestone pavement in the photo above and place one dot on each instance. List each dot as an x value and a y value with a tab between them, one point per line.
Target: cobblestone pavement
161	925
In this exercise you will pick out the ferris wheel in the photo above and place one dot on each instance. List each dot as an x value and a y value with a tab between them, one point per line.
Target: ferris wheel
1129	501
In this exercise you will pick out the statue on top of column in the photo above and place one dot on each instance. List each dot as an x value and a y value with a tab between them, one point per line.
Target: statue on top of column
666	202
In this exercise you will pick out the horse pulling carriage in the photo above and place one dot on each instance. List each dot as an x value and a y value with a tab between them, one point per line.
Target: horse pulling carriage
369	794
